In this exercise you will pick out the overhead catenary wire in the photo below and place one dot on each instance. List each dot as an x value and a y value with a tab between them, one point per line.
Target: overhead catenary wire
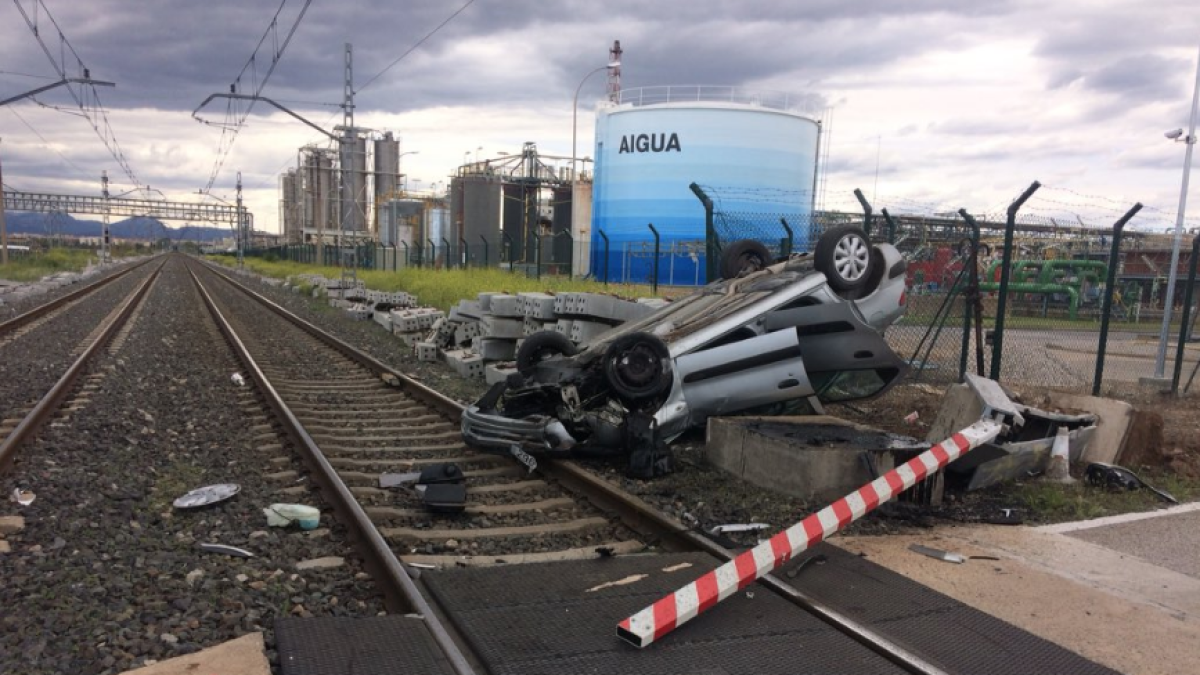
417	44
93	110
235	116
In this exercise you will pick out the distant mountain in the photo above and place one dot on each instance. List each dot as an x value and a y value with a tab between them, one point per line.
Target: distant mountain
133	228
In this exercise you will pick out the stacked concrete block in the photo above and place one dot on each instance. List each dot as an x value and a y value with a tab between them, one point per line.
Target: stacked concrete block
605	308
427	351
583	331
492	349
383	319
466	363
501	327
564	326
498	371
506	306
538	306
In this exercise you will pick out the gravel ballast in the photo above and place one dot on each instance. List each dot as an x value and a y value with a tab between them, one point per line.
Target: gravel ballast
106	574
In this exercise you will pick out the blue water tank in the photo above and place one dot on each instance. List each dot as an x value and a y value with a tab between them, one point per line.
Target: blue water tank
753	154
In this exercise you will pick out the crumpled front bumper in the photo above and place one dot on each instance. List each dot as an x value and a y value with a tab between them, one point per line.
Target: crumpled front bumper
536	433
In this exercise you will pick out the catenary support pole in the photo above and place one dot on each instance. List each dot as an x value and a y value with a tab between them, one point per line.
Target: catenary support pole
676	609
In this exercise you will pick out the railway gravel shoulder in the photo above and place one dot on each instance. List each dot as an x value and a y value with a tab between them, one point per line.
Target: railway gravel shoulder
106	574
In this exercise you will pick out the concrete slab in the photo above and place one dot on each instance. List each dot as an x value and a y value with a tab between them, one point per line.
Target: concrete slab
243	656
500	327
1114	420
818	458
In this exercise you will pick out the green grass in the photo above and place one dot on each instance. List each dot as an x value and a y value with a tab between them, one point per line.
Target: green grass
1053	502
42	264
443	288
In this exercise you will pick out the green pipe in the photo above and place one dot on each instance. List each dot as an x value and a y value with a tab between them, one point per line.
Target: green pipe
1076	266
1047	289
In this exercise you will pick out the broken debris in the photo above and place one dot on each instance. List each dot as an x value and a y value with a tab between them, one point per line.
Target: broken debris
282	515
238	379
226	550
937	554
207	496
22	497
1116	477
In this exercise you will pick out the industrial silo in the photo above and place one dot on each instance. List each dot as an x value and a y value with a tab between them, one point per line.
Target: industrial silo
354	182
387	173
474	215
754	153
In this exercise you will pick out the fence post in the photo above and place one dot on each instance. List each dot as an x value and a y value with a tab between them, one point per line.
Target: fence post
1005	265
787	245
447	250
463	256
605	238
891	223
571	249
537	255
657	243
971	303
1110	287
508	252
1186	316
866	211
432	254
711	243
485	250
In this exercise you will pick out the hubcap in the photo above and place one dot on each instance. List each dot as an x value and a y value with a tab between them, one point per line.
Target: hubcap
850	257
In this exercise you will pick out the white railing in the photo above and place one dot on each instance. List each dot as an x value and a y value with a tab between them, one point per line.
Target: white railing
809	104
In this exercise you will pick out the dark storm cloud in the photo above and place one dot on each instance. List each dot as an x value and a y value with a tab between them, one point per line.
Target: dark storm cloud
172	54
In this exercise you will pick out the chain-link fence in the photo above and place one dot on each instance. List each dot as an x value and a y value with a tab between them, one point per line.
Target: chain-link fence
1054	290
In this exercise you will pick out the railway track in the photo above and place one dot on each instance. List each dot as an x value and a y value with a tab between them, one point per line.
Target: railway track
356	419
62	356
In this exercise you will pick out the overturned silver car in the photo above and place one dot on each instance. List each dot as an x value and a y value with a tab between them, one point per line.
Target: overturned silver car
800	332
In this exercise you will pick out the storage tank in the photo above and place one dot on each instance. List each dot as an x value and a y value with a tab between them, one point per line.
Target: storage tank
755	153
354	182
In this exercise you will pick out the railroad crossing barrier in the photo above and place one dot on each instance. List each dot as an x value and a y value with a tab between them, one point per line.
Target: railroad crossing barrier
672	611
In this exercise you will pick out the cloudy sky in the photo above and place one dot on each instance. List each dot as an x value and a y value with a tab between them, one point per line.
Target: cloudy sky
933	104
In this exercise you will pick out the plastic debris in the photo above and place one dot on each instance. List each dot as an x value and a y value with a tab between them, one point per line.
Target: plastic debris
22	497
283	515
238	379
738	527
937	554
1059	469
1116	477
912	417
207	495
226	550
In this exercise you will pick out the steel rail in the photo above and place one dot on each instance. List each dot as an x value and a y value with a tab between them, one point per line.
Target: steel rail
42	310
50	402
633	512
398	588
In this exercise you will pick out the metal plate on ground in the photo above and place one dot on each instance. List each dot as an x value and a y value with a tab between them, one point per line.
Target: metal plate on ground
944	631
207	495
561	618
379	645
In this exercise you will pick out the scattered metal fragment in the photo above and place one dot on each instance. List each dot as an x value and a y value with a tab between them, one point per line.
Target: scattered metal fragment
738	527
423	566
937	554
818	559
523	457
22	497
632	578
226	550
207	495
238	379
912	417
444	497
983	557
391	480
676	568
1113	477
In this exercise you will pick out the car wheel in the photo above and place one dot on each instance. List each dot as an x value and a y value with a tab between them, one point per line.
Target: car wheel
540	346
843	255
638	367
742	257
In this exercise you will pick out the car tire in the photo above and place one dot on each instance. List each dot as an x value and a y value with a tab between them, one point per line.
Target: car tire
638	367
742	257
844	256
540	346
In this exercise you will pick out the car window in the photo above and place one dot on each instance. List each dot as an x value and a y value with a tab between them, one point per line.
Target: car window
848	385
